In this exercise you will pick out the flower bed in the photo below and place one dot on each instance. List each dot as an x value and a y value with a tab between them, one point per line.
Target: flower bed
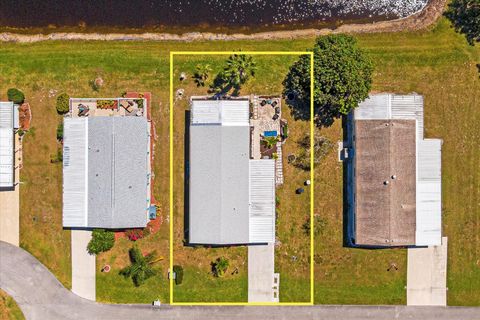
107	104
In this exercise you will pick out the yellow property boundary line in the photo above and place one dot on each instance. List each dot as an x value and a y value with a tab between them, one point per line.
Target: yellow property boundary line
172	54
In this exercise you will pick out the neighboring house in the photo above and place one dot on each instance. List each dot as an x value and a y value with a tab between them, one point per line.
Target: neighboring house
231	192
8	124
106	164
393	174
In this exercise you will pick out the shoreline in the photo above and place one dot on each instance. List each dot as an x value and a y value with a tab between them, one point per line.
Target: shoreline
417	21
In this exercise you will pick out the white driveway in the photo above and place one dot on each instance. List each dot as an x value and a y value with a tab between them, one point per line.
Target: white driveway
427	276
10	206
83	265
261	274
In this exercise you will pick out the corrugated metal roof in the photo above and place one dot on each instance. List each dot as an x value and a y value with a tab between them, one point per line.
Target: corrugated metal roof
429	193
75	172
7	147
428	159
224	112
262	201
218	179
16	117
111	154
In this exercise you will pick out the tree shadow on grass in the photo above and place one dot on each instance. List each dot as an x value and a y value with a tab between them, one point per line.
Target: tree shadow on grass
222	86
323	117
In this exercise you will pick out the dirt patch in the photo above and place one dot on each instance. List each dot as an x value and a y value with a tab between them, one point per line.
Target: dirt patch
420	20
25	116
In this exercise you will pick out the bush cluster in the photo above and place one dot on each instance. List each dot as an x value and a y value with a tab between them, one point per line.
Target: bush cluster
63	103
102	240
15	95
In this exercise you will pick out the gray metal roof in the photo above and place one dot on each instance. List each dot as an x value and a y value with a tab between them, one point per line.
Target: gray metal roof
116	172
219	182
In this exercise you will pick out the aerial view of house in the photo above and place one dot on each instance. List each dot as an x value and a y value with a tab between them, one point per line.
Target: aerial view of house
394	174
227	168
106	165
231	165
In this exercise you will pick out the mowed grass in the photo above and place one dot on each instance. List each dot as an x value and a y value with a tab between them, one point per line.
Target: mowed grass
9	309
436	63
114	288
293	210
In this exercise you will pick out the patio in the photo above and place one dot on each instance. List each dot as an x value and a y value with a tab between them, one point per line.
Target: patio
107	107
266	119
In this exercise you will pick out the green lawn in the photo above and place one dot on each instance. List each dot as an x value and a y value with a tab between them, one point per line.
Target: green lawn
436	63
200	286
9	309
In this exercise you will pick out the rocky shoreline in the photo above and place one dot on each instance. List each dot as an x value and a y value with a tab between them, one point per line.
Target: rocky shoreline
420	20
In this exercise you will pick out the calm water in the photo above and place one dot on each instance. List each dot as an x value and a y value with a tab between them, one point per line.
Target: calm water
201	14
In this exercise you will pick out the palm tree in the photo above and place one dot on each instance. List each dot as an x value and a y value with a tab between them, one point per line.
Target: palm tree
202	73
269	142
141	266
239	69
220	266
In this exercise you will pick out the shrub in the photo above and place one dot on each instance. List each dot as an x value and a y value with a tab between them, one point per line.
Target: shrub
15	95
63	103
220	266
57	157
60	131
178	274
318	226
136	234
322	147
139	103
285	131
102	240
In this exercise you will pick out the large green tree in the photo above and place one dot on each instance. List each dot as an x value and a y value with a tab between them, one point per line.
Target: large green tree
342	77
465	16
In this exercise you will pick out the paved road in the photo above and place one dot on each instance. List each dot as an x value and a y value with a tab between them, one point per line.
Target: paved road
41	296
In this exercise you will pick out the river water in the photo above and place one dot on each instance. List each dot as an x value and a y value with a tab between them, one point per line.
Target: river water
199	15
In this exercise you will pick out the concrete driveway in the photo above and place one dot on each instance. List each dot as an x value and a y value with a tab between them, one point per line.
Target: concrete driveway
427	276
83	265
261	273
41	296
10	206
